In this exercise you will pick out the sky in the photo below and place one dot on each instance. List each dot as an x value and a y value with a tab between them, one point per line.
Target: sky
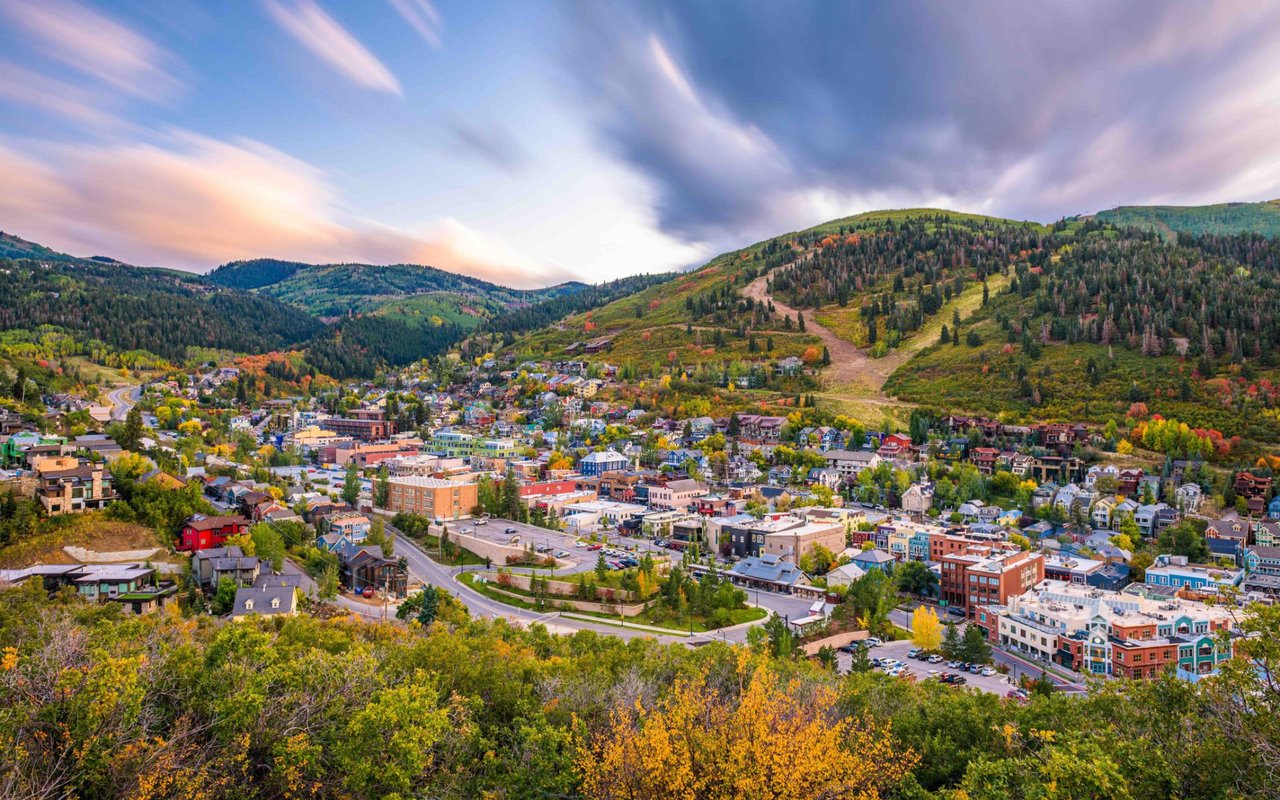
537	141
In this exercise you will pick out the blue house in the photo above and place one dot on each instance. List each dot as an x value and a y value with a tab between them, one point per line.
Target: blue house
594	465
1175	572
1273	508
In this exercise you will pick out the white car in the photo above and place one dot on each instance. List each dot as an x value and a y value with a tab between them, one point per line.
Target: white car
987	672
579	544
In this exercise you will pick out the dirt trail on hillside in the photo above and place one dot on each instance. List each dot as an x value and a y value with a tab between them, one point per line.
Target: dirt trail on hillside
850	368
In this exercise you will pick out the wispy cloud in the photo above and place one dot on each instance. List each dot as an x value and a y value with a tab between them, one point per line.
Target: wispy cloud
333	44
21	85
95	44
195	202
423	17
492	143
751	118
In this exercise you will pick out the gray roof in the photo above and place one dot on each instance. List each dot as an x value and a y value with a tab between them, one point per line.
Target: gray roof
872	557
265	600
768	568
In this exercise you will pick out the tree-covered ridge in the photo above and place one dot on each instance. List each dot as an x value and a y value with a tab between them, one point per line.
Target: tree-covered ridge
330	290
899	272
1221	219
132	308
94	703
1211	298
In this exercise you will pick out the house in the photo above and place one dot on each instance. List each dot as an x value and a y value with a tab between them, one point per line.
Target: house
267	601
207	575
200	532
849	463
844	575
1145	517
918	499
1255	489
596	464
984	458
868	560
1189	497
1262	560
67	485
363	566
1227	537
1273	508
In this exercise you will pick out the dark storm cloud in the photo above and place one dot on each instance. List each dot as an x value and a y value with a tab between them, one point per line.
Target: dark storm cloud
755	116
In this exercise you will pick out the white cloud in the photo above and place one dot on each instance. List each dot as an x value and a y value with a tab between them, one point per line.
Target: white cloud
195	202
94	44
423	17
320	33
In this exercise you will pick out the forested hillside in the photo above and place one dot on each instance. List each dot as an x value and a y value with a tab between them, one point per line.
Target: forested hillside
97	704
1222	219
332	290
132	308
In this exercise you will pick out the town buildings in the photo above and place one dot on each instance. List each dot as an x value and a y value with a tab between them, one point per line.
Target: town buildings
1125	634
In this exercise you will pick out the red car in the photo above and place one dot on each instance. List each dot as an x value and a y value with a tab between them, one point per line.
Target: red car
368	592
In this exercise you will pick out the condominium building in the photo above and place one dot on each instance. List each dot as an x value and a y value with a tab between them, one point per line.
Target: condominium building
794	544
985	574
436	498
1125	634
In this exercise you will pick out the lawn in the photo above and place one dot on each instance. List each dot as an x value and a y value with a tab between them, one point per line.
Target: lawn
462	558
90	530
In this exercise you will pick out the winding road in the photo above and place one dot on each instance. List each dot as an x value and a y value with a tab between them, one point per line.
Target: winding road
123	398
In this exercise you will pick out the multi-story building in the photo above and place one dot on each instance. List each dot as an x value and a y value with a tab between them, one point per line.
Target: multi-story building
369	429
435	498
1110	633
1177	573
67	485
985	575
675	494
793	544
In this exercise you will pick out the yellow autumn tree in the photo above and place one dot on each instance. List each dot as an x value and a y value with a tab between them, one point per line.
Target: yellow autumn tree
768	740
926	631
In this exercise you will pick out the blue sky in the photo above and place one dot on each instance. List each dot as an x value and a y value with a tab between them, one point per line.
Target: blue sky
529	142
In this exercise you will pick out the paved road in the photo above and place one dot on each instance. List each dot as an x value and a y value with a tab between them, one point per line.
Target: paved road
422	568
122	399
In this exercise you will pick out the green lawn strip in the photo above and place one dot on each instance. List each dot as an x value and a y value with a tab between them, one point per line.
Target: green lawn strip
431	546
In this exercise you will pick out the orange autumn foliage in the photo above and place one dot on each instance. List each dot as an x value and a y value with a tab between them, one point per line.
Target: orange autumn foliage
768	739
811	355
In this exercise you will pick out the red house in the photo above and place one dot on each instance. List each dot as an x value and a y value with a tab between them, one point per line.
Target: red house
200	532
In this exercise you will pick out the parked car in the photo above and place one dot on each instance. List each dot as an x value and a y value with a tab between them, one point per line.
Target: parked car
510	531
987	672
935	659
959	680
976	669
914	652
953	665
561	554
873	642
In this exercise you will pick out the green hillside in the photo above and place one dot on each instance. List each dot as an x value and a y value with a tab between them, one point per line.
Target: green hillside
332	290
1223	219
1077	320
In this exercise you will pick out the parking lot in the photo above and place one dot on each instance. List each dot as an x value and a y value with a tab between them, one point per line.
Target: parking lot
499	531
996	684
